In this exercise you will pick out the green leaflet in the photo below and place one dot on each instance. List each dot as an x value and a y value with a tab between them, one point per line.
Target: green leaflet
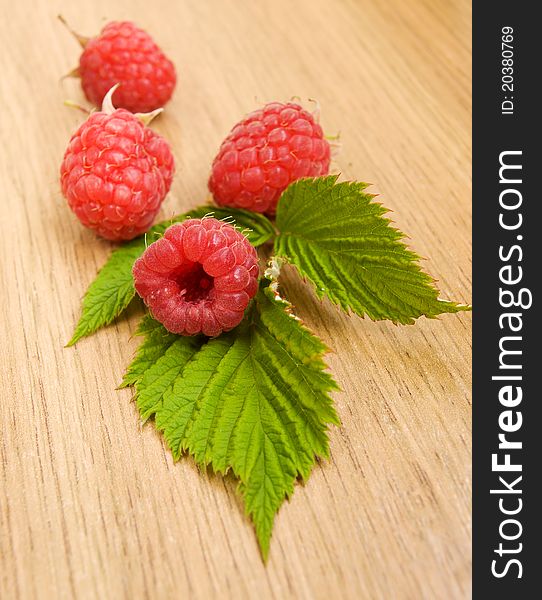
110	293
338	238
157	338
255	400
112	290
158	362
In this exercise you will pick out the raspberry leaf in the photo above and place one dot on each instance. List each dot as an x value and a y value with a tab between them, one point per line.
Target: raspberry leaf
113	289
158	380
110	293
337	237
156	343
254	401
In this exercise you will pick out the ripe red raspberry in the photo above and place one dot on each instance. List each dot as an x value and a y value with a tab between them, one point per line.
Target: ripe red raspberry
264	153
198	278
123	53
116	173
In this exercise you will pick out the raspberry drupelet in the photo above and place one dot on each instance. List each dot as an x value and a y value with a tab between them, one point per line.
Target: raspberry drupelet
123	53
264	153
116	172
198	278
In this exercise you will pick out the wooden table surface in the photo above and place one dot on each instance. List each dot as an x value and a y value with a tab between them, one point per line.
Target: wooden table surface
91	503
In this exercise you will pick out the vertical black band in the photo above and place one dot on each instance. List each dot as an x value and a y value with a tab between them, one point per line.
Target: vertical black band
507	424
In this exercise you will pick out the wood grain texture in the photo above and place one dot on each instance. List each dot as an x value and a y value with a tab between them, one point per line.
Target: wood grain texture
91	503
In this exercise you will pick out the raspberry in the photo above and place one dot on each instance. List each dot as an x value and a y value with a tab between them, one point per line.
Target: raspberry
198	278
125	54
116	172
264	153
